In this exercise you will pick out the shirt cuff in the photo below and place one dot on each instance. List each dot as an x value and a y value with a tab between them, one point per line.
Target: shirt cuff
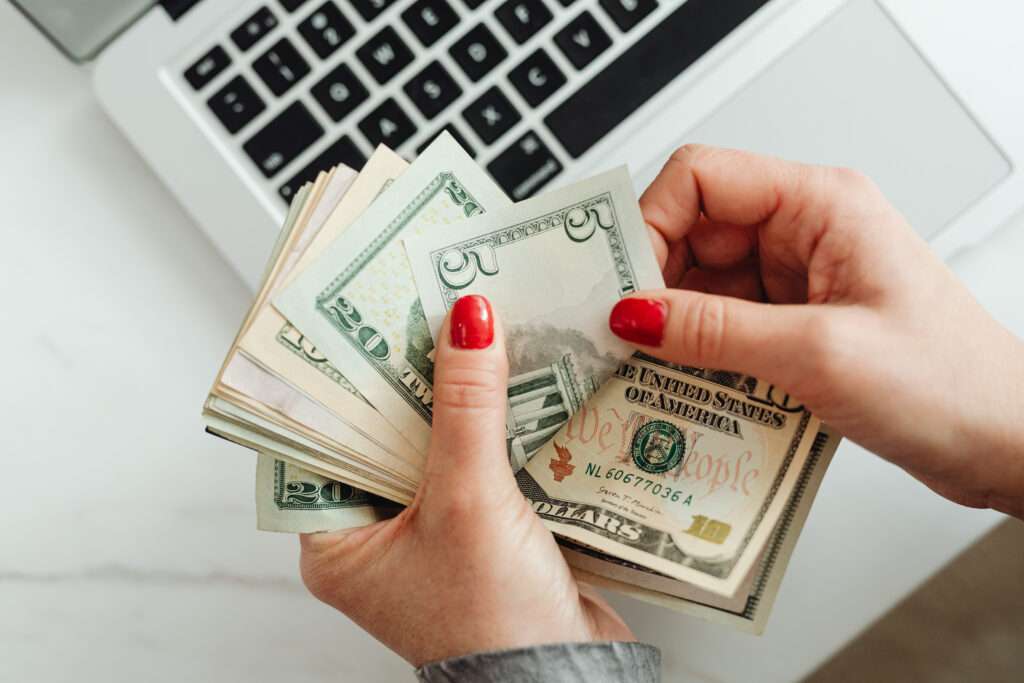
556	663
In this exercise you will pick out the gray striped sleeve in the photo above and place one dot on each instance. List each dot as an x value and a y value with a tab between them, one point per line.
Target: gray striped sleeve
556	663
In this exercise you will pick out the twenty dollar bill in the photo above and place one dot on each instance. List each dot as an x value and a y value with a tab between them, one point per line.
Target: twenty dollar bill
293	499
357	302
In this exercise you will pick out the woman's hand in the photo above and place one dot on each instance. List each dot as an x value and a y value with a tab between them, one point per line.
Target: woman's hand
865	327
468	566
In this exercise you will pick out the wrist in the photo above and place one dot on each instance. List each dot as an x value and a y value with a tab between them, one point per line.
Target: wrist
993	430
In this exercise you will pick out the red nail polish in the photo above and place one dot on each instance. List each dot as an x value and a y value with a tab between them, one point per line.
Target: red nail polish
640	321
472	323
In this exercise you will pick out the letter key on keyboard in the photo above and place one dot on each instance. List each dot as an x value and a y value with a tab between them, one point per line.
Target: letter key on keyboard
369	9
523	18
339	92
387	124
432	89
627	13
536	78
477	52
384	55
491	115
582	40
430	20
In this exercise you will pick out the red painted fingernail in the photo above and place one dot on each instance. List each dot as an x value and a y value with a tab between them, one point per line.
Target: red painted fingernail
640	321
472	323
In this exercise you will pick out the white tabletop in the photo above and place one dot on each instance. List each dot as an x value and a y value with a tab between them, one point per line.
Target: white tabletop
128	547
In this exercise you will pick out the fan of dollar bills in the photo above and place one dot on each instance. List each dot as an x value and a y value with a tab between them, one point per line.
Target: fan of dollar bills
680	486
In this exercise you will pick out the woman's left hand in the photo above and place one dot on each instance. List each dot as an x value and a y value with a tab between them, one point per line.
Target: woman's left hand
468	566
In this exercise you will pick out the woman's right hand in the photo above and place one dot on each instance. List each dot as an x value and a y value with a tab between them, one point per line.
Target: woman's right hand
807	278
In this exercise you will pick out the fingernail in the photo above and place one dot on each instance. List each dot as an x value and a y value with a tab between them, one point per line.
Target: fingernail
472	323
640	321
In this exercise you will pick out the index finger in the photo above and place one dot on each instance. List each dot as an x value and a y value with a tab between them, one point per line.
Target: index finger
727	186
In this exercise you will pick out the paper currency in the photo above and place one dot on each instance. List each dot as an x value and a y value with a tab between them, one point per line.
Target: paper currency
682	471
750	609
276	345
357	303
225	418
258	407
292	499
552	267
292	410
679	486
279	419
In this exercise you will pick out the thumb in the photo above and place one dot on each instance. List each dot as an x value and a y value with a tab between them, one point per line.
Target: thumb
774	342
468	453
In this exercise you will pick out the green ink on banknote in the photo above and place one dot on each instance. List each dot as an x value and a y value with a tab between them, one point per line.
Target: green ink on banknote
658	447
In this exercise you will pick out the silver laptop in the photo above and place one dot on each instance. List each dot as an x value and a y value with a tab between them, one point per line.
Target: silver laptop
235	103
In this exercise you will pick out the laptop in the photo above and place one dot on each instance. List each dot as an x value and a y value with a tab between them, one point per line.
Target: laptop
236	103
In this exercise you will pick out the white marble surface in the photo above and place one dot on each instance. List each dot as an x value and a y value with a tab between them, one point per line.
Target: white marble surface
128	548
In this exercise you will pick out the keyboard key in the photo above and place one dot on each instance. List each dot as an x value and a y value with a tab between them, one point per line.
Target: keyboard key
525	167
340	92
281	67
387	124
430	20
455	134
369	9
523	18
384	55
343	151
536	78
175	9
236	104
283	139
627	13
326	29
292	5
432	90
252	29
491	115
477	52
207	67
582	40
661	55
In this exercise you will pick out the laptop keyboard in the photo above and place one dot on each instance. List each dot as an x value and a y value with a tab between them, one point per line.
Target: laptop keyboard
525	85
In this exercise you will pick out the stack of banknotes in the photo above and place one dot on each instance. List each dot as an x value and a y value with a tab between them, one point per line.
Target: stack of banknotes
681	486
